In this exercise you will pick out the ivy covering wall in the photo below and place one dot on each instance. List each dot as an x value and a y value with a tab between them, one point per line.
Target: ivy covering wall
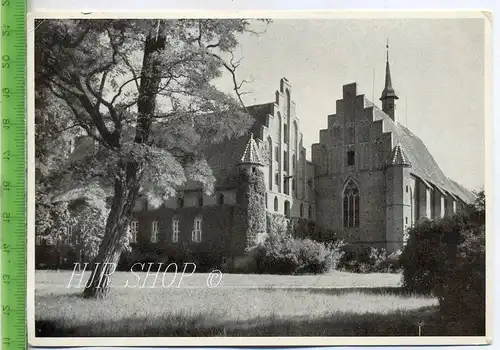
250	197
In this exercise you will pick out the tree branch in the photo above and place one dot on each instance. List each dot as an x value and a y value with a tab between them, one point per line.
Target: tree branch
92	111
101	88
129	66
231	68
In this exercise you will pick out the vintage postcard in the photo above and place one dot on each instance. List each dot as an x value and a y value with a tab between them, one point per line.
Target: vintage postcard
259	178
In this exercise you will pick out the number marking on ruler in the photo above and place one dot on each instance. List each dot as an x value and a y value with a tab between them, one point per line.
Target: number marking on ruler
12	182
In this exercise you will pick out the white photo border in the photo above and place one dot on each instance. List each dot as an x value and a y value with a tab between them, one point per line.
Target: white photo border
258	341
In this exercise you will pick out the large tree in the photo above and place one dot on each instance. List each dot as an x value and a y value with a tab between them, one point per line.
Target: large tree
143	90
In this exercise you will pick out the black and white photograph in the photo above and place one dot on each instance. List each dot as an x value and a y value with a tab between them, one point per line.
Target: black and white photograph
244	180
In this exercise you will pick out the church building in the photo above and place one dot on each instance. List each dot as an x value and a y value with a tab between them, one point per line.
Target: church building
369	179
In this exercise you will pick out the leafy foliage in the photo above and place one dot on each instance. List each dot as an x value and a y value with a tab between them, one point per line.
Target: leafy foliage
446	257
298	256
142	90
96	64
370	260
278	225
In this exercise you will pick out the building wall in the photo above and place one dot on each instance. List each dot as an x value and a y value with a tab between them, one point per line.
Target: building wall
281	143
391	200
352	129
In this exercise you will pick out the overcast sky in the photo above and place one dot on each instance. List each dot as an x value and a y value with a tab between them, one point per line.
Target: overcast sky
437	68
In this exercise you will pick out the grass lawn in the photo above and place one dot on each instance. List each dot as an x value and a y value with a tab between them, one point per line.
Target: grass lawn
336	304
58	281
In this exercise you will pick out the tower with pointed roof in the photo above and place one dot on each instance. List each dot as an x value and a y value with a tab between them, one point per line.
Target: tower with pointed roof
250	199
398	197
389	96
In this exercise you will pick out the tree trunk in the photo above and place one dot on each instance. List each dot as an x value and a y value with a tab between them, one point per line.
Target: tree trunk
128	178
127	186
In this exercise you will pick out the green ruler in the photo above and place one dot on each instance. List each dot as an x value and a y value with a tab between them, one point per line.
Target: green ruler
13	165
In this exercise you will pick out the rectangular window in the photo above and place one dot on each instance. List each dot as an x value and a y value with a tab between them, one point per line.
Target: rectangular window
38	240
196	235
350	158
285	136
277	178
285	160
175	231
133	231
154	232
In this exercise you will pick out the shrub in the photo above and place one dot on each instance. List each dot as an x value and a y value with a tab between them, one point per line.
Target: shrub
370	260
446	258
278	226
298	256
431	250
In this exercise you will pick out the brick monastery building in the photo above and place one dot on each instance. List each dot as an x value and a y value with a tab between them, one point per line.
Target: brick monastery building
369	180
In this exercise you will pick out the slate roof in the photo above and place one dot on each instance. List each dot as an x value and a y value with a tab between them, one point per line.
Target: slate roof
423	164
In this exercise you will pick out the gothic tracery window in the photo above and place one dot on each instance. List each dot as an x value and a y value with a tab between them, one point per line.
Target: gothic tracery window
270	161
351	204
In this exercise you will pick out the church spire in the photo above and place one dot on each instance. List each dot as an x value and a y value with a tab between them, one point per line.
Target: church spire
389	96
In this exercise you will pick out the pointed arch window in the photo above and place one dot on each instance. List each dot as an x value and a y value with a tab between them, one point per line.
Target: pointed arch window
351	204
287	209
295	134
270	163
